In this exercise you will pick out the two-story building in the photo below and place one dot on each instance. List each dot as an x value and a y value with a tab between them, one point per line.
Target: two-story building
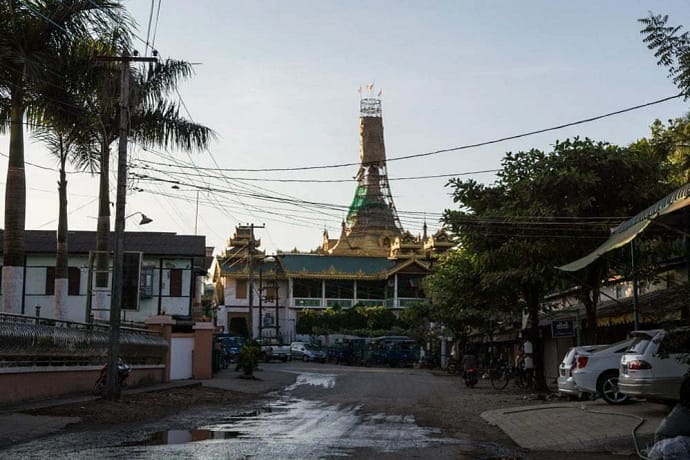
162	274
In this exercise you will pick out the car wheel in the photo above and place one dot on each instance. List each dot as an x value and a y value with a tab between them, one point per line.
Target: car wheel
608	388
305	358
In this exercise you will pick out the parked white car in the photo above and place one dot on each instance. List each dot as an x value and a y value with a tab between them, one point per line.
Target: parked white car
597	372
566	384
654	365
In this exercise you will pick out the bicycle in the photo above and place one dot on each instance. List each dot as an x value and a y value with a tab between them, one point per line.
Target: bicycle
501	376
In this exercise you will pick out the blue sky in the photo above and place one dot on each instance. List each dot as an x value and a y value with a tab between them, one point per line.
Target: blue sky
278	82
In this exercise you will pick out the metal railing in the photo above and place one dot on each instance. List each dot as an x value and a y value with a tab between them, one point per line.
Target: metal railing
127	326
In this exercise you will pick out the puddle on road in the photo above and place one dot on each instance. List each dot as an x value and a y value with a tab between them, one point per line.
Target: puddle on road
185	436
313	379
303	429
312	425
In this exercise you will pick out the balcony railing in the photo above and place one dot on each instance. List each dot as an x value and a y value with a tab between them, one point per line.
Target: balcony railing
315	302
342	303
307	302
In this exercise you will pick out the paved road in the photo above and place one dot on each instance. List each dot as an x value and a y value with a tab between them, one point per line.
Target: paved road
328	411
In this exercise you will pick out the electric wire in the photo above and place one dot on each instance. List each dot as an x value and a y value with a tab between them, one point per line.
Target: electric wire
228	180
467	146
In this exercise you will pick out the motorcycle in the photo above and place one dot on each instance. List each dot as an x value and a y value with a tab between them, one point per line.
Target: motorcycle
123	371
471	377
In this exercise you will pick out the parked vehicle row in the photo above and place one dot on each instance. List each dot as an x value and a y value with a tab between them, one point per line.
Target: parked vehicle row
394	351
650	364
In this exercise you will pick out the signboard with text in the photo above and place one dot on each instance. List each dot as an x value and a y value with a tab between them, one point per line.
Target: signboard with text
563	328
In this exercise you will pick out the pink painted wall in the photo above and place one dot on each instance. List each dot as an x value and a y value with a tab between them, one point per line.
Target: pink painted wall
47	383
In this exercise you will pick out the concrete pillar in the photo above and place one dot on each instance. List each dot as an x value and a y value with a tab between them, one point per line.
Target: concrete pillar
163	325
197	309
202	359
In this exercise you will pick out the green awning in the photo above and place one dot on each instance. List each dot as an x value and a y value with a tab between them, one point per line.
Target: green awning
628	230
615	241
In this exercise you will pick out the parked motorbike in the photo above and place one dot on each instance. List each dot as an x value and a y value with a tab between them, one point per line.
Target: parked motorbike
471	377
123	371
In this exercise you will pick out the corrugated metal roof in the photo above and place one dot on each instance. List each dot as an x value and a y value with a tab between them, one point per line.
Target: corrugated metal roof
335	265
151	243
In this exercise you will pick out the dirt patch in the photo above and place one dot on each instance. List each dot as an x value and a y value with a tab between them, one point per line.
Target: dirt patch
144	407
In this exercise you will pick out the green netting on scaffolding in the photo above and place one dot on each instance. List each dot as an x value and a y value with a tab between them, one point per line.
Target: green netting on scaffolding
360	202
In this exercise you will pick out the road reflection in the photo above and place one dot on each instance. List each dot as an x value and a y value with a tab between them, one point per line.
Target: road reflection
308	429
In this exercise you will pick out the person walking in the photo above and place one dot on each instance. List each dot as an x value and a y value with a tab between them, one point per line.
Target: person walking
528	358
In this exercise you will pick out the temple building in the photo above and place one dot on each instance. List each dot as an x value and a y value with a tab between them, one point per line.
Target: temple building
373	262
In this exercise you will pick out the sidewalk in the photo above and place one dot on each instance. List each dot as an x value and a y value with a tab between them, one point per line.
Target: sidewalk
591	426
16	426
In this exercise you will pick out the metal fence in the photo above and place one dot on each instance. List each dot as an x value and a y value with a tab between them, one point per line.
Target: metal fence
34	341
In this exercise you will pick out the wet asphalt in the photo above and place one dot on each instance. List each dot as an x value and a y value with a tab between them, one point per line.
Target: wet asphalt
310	411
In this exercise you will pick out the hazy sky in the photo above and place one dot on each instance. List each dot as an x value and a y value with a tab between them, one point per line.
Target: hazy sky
277	80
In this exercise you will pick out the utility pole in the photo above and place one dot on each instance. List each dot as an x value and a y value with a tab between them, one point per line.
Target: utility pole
250	266
275	293
196	215
112	388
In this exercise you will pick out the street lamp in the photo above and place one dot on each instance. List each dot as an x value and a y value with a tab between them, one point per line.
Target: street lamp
89	290
144	218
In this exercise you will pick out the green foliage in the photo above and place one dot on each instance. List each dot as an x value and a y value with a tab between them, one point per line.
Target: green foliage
458	300
671	48
672	141
248	358
418	317
358	320
547	209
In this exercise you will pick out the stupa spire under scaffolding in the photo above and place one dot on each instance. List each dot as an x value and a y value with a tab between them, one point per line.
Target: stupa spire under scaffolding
372	221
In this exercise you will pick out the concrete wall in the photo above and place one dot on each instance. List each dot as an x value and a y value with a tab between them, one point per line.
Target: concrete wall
31	383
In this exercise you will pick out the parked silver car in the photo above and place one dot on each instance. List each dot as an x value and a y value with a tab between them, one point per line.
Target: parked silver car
307	352
566	383
654	365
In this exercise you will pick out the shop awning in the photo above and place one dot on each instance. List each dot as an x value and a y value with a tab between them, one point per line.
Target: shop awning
628	230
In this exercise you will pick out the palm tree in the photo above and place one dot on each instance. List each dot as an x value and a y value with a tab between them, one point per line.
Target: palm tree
155	121
30	33
66	133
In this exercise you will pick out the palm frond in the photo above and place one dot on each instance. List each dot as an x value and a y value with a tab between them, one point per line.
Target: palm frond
163	126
